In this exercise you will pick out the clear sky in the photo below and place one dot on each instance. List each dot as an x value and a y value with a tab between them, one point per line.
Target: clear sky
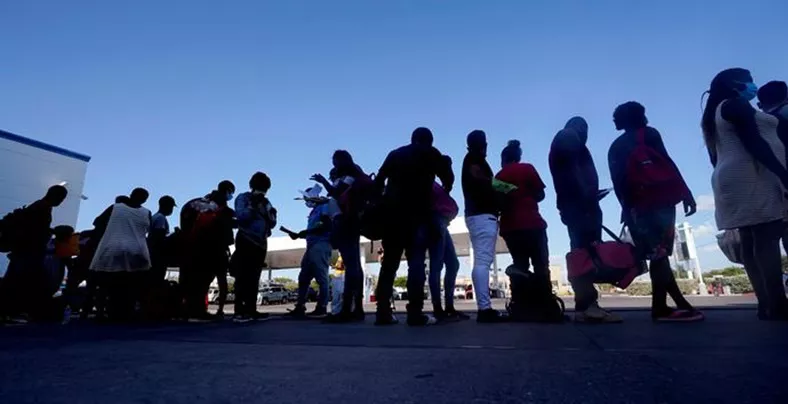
178	95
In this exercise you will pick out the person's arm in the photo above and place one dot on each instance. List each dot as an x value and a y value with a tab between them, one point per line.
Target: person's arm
244	211
535	184
442	170
102	219
742	116
617	176
158	229
383	174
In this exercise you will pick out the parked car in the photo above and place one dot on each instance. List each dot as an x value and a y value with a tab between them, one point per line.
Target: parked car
459	292
272	294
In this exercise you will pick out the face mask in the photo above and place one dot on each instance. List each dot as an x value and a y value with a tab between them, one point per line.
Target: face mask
229	196
749	92
261	193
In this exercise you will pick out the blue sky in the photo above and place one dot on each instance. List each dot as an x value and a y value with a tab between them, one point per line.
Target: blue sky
178	95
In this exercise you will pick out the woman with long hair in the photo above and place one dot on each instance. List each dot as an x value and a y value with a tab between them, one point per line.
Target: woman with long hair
749	182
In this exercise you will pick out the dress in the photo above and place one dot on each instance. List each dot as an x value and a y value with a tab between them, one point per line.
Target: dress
123	248
745	192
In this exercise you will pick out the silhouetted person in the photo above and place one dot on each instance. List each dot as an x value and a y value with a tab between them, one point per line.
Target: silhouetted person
481	218
649	186
207	227
23	289
773	98
157	238
576	185
408	174
749	181
442	252
256	219
349	187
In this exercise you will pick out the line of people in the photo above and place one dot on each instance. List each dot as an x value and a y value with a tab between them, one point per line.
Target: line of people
405	207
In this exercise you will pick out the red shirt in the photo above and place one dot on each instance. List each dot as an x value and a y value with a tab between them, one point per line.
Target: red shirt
520	210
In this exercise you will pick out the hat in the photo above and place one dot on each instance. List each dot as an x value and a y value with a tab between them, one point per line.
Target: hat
312	192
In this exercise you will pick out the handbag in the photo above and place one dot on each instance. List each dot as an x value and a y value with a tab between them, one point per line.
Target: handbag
615	262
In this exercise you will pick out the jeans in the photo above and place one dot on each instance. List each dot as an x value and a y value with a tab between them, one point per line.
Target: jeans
483	231
442	252
529	248
247	265
584	229
348	243
314	265
413	241
762	261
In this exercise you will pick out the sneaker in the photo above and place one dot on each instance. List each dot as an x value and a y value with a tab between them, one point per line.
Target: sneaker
454	314
257	316
297	312
386	319
359	315
491	316
241	319
597	315
421	320
678	316
318	312
343	317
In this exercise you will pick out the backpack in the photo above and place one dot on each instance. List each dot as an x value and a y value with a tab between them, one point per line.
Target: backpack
357	196
533	300
652	180
206	217
10	227
445	206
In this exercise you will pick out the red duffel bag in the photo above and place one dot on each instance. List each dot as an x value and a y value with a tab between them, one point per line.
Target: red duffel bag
614	262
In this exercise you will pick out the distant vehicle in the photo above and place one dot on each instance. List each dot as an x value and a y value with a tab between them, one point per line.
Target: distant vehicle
459	292
272	294
213	296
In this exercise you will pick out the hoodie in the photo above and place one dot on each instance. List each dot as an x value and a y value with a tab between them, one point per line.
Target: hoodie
575	177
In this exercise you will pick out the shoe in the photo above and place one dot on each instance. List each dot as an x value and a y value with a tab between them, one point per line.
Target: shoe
384	319
678	316
421	320
257	316
454	314
596	315
359	315
241	319
491	316
318	312
343	317
66	315
297	312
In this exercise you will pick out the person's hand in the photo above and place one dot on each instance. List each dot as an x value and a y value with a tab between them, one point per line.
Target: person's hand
293	236
447	188
301	234
690	207
319	178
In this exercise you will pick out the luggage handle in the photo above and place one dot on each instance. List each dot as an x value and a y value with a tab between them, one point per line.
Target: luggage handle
613	235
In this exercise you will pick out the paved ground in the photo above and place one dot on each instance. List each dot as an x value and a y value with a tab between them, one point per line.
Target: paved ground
730	358
614	302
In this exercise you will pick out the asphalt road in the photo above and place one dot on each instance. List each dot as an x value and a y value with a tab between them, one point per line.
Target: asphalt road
729	358
611	302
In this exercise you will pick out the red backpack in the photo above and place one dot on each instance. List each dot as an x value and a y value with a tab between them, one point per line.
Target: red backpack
358	194
652	180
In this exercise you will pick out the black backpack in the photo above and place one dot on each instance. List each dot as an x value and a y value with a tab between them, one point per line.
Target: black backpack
533	300
10	227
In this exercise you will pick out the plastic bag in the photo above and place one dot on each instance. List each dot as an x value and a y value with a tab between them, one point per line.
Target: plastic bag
730	244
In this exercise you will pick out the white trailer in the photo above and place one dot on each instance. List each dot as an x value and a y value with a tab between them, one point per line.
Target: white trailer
29	167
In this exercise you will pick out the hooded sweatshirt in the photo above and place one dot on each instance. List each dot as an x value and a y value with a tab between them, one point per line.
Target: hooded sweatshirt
575	177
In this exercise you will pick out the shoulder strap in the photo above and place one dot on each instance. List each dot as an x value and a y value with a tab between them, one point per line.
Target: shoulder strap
640	136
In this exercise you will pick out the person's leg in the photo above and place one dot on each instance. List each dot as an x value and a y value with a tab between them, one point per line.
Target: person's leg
785	237
224	287
354	276
483	231
393	249
581	236
12	288
517	242
766	253
437	251
320	264
416	254
304	279
540	256
452	264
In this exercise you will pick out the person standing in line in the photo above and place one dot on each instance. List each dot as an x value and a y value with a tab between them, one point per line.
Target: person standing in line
316	261
122	257
157	238
23	290
256	220
442	252
408	174
207	226
773	99
649	186
481	218
577	192
749	182
349	189
521	225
